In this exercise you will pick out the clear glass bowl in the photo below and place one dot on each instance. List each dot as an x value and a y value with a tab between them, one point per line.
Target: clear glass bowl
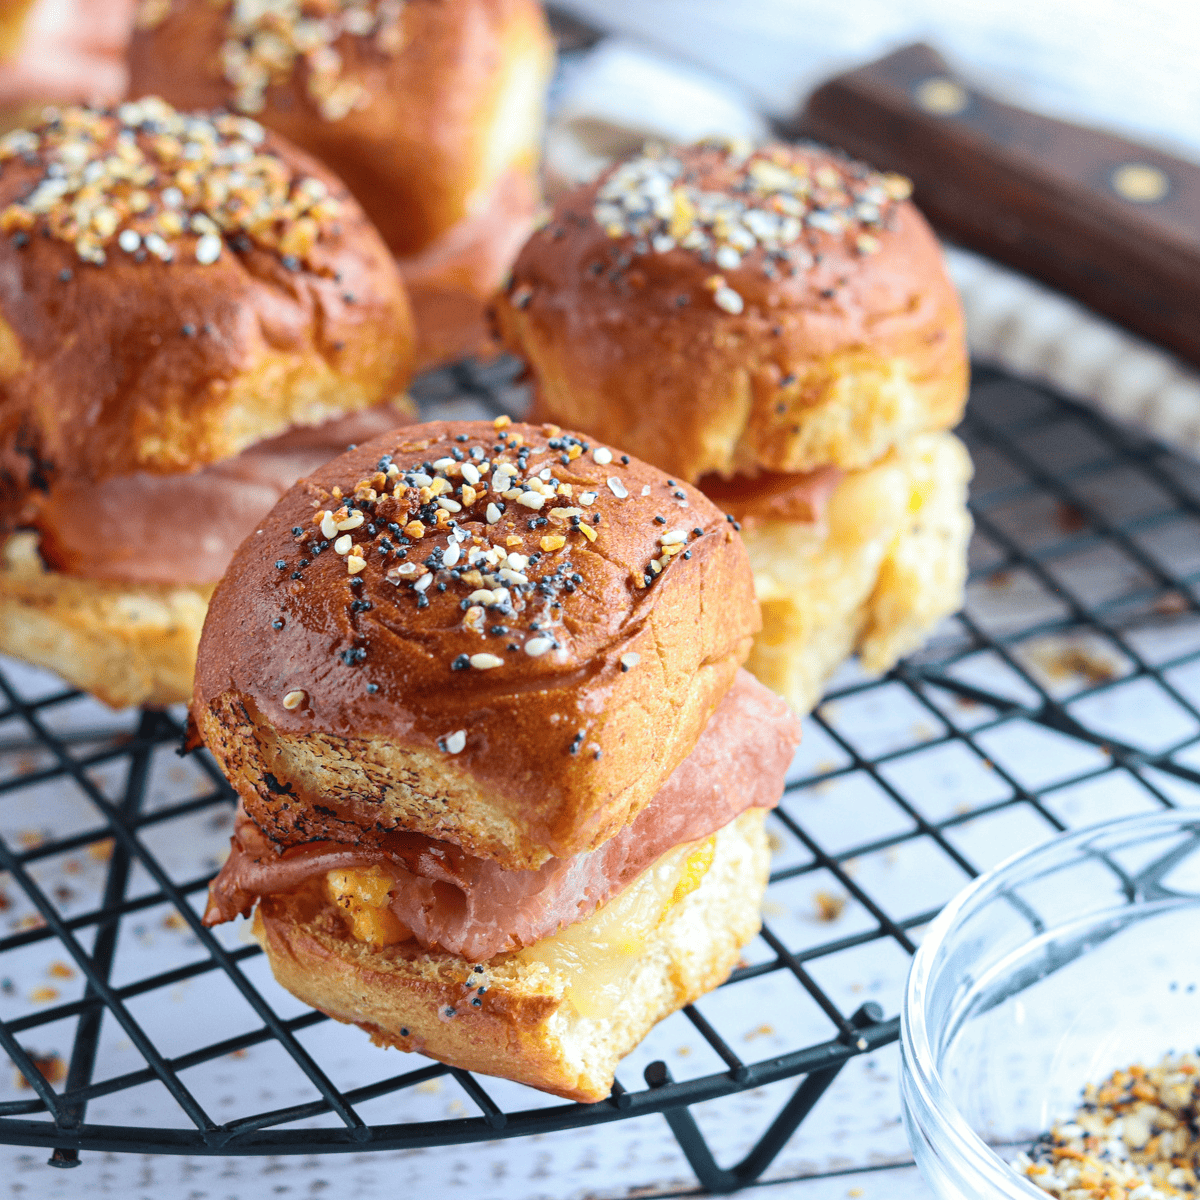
1063	964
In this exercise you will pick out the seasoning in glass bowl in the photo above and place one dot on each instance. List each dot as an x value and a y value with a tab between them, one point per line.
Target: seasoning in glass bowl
1132	1138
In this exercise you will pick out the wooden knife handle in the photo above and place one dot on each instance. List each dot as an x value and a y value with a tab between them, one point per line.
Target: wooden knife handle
1111	222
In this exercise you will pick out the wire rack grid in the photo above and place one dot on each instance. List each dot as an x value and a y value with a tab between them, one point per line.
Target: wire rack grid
1067	690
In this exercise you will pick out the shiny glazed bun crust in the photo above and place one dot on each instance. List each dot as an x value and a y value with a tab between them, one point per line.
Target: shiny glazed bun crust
716	309
174	288
421	107
517	682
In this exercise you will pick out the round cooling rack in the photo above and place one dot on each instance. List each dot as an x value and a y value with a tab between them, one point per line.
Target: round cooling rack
1067	690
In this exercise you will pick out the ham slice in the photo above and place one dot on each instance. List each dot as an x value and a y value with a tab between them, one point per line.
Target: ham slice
774	497
146	528
451	280
474	908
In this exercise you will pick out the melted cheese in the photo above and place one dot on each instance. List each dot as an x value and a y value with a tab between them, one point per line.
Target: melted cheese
363	897
598	954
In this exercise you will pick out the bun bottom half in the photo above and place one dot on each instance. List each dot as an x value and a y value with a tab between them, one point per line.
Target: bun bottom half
526	1027
874	578
127	644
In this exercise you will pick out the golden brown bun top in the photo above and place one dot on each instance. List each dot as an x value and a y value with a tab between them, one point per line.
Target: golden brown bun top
153	266
419	106
725	227
707	276
354	642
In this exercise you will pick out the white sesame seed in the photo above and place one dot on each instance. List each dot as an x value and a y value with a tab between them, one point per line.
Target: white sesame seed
662	243
128	240
485	662
482	596
674	537
453	743
538	646
617	488
449	505
545	473
728	259
328	526
518	562
450	555
423	582
353	521
158	247
208	249
470	474
294	699
630	659
587	498
602	455
492	514
402	570
343	544
531	499
443	464
727	299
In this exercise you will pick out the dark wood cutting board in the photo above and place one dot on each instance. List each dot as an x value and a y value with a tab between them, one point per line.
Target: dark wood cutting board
1107	220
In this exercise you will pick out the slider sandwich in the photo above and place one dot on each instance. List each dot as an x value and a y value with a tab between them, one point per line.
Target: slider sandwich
776	326
431	111
193	314
502	780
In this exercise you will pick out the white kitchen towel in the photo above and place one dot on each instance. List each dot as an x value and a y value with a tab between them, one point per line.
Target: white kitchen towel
744	59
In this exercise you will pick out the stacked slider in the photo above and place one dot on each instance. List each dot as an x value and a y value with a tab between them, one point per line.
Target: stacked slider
776	326
192	315
431	111
502	782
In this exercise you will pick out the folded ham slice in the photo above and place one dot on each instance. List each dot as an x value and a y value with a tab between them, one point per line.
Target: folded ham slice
472	907
145	528
774	497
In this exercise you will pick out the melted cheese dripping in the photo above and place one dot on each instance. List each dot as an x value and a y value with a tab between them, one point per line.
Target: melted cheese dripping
363	897
598	954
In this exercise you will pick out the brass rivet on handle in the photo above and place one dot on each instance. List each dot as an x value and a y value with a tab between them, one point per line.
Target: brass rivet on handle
941	96
1140	183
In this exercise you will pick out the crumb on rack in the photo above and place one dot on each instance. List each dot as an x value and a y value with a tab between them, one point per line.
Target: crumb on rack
52	1065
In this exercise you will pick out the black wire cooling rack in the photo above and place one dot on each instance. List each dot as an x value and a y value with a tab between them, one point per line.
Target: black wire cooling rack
1084	564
